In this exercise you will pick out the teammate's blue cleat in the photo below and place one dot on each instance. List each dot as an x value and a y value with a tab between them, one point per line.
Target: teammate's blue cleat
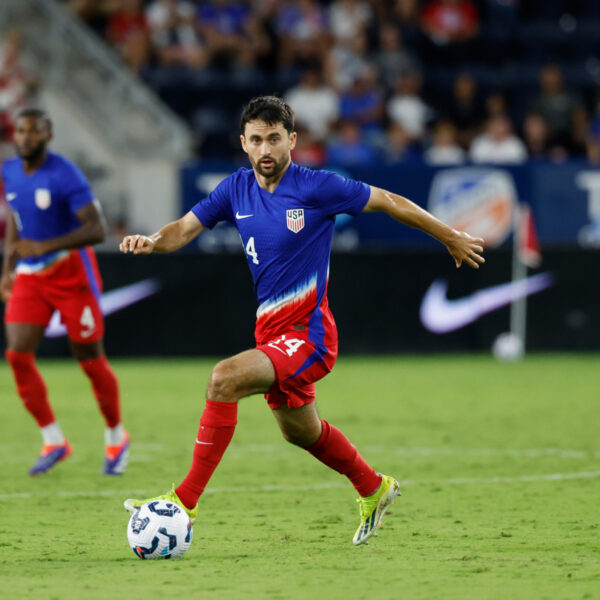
117	457
49	456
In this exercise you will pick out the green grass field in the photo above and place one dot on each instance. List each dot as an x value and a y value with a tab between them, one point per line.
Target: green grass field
499	465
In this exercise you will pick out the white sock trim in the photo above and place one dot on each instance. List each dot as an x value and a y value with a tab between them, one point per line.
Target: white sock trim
114	436
52	434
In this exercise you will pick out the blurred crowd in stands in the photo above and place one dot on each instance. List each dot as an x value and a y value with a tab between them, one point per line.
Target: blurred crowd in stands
371	81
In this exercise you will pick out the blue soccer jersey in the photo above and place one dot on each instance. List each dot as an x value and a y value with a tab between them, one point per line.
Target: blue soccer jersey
287	237
44	204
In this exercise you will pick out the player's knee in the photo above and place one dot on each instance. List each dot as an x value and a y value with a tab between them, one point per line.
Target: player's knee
297	436
223	383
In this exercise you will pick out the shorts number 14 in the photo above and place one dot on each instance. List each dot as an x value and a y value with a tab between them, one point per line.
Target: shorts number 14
291	345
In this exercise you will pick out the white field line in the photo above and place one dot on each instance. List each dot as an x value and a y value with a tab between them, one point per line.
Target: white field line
314	487
142	452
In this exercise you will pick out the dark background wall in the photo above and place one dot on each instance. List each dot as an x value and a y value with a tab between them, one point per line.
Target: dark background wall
206	304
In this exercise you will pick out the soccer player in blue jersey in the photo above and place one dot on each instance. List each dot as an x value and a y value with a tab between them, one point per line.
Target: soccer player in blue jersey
49	265
285	216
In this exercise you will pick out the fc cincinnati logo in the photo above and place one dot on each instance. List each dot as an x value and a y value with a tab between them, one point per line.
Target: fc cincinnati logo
295	219
479	201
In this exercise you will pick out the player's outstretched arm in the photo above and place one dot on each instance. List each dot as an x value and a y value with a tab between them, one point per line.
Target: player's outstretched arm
169	238
9	259
92	230
462	247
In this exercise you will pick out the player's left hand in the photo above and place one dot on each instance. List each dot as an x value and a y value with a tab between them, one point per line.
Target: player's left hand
465	249
24	248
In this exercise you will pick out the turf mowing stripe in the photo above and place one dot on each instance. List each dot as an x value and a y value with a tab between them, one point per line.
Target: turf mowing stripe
322	486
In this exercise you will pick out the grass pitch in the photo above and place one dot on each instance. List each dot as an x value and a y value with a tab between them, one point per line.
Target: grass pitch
499	465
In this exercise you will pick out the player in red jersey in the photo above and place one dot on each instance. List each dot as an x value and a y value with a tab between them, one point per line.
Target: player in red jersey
48	265
285	215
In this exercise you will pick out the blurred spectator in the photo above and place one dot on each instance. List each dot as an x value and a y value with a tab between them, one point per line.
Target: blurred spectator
349	149
555	104
498	144
502	12
535	134
392	59
444	150
450	25
347	18
16	84
594	129
308	151
593	151
173	33
465	109
232	36
363	102
302	29
399	146
407	108
316	105
405	14
348	61
95	13
580	125
128	31
495	104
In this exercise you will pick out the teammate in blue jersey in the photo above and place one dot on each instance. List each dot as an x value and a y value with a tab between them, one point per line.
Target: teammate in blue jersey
285	216
49	265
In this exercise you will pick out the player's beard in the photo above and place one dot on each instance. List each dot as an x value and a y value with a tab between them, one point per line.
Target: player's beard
32	155
273	171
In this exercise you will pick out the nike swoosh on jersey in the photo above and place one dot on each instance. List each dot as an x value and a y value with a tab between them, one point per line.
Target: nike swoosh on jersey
110	302
10	197
204	443
238	216
440	315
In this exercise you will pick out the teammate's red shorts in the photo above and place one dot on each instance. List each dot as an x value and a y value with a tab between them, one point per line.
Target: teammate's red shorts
298	364
72	286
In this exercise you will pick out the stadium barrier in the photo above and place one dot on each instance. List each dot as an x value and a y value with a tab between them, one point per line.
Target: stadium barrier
564	198
196	304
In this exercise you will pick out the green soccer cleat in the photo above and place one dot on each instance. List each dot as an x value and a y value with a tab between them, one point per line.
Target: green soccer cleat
131	504
372	509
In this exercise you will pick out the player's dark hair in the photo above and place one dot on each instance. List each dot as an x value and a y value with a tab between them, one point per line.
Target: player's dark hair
269	109
35	113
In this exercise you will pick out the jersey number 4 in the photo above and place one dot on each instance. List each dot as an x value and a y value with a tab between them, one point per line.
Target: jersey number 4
251	250
291	345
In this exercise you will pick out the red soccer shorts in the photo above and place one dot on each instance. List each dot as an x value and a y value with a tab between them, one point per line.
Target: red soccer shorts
298	364
72	286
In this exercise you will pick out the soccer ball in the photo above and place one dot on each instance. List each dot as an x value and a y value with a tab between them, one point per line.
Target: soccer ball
508	347
159	529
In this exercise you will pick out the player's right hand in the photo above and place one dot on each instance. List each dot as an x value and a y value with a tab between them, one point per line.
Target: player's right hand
137	244
6	283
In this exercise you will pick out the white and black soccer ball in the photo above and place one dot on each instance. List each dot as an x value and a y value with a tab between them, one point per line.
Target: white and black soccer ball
159	529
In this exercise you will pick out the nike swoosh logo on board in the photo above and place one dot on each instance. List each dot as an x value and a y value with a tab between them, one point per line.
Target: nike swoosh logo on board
440	315
110	302
238	216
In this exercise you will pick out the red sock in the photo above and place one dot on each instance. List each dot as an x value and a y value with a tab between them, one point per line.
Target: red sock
335	450
106	388
216	430
31	386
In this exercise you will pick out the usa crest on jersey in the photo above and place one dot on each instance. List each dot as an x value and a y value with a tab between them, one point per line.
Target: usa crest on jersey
43	198
295	219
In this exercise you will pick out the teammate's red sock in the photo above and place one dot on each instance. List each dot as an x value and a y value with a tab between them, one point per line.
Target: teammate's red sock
106	388
216	430
335	450
31	386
